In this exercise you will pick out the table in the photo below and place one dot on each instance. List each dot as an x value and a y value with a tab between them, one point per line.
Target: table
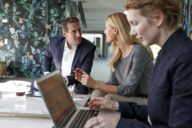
34	113
19	122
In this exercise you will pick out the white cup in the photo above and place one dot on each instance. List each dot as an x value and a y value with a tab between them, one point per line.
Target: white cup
20	100
21	89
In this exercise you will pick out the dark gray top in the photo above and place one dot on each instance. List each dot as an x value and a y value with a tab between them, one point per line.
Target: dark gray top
133	73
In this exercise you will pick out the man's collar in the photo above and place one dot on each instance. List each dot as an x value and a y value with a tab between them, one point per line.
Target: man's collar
66	45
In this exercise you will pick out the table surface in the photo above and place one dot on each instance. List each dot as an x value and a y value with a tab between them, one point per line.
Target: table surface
10	117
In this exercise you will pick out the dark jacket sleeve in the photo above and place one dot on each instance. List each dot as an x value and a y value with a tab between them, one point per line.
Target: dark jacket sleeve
130	111
48	64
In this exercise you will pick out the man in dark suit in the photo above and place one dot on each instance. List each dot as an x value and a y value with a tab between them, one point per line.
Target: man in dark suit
70	52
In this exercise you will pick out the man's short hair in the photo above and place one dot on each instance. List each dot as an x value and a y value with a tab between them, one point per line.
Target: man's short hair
68	20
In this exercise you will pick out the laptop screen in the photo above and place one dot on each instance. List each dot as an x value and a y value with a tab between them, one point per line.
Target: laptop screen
56	96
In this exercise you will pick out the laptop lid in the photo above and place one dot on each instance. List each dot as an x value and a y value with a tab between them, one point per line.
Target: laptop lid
57	98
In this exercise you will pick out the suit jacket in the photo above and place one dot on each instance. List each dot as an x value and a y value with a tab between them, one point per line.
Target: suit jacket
170	97
83	59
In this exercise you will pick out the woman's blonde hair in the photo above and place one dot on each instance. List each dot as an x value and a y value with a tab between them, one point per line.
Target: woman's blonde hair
148	8
118	21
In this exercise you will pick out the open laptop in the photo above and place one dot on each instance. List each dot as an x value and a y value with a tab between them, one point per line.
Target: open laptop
59	103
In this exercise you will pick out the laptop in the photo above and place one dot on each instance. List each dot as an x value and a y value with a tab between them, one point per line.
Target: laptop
60	104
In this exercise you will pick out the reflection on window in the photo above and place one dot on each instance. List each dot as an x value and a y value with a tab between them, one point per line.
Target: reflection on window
97	39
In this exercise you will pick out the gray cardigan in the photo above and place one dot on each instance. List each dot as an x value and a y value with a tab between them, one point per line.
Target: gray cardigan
133	73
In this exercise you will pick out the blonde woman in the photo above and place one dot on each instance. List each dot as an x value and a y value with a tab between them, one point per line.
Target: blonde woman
131	64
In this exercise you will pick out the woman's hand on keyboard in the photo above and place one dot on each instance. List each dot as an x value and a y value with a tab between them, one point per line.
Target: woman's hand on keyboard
102	122
101	102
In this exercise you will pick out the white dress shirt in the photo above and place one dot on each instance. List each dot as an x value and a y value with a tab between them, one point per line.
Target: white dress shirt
67	60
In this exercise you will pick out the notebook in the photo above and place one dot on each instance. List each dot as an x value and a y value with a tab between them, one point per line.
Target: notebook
60	104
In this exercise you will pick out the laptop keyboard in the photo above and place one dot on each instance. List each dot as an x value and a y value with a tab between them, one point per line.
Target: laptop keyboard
82	117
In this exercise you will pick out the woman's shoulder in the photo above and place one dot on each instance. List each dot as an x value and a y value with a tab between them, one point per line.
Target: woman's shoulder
138	47
142	50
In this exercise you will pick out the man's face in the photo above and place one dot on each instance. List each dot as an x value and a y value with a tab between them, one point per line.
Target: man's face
73	35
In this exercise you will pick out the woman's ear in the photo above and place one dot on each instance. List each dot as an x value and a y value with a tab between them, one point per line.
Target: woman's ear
115	30
159	19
